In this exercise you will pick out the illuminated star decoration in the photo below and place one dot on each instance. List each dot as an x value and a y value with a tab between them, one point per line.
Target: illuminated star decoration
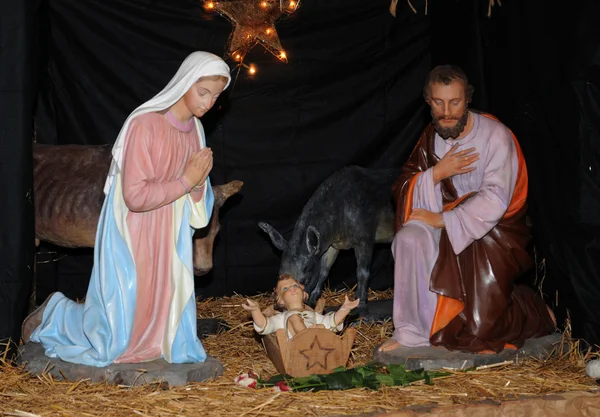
254	23
316	355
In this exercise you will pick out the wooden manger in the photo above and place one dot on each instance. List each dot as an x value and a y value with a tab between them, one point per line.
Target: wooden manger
312	351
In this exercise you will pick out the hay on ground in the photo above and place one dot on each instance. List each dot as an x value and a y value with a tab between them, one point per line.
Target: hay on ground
240	351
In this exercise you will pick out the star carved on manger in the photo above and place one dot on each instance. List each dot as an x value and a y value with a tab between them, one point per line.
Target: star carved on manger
316	355
254	23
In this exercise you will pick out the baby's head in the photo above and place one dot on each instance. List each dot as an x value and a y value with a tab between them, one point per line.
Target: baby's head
287	292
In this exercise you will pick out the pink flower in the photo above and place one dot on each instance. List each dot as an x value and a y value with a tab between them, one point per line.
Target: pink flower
281	386
247	380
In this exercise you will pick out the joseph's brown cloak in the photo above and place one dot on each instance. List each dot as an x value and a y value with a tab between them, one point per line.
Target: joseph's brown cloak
478	306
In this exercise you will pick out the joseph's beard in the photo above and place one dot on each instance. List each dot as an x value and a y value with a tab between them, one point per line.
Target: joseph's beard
451	132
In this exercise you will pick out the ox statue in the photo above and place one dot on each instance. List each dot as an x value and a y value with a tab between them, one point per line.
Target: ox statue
68	182
351	209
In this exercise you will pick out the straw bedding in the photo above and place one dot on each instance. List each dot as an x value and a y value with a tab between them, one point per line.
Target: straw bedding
240	351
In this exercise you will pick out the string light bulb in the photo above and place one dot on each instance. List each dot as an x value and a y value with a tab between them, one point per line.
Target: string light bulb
252	69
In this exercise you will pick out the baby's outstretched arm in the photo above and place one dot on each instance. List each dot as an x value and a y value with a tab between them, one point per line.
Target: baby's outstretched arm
257	316
345	309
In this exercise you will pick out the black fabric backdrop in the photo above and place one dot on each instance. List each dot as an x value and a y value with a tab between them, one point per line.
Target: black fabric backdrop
351	94
18	55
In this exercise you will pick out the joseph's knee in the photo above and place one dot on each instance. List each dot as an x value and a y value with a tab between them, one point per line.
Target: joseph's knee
413	235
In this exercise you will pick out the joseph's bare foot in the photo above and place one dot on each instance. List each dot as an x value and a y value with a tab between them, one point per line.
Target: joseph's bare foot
388	345
552	316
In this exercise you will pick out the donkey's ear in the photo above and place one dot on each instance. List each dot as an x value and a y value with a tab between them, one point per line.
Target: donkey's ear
313	240
278	240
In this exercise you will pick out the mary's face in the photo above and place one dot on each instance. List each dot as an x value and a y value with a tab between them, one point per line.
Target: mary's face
202	96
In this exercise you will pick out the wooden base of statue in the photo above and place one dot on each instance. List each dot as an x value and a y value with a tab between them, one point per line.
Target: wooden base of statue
312	351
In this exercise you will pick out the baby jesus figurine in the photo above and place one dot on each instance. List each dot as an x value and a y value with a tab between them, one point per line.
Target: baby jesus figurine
296	316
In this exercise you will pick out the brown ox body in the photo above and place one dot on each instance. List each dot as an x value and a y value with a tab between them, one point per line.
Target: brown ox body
68	182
